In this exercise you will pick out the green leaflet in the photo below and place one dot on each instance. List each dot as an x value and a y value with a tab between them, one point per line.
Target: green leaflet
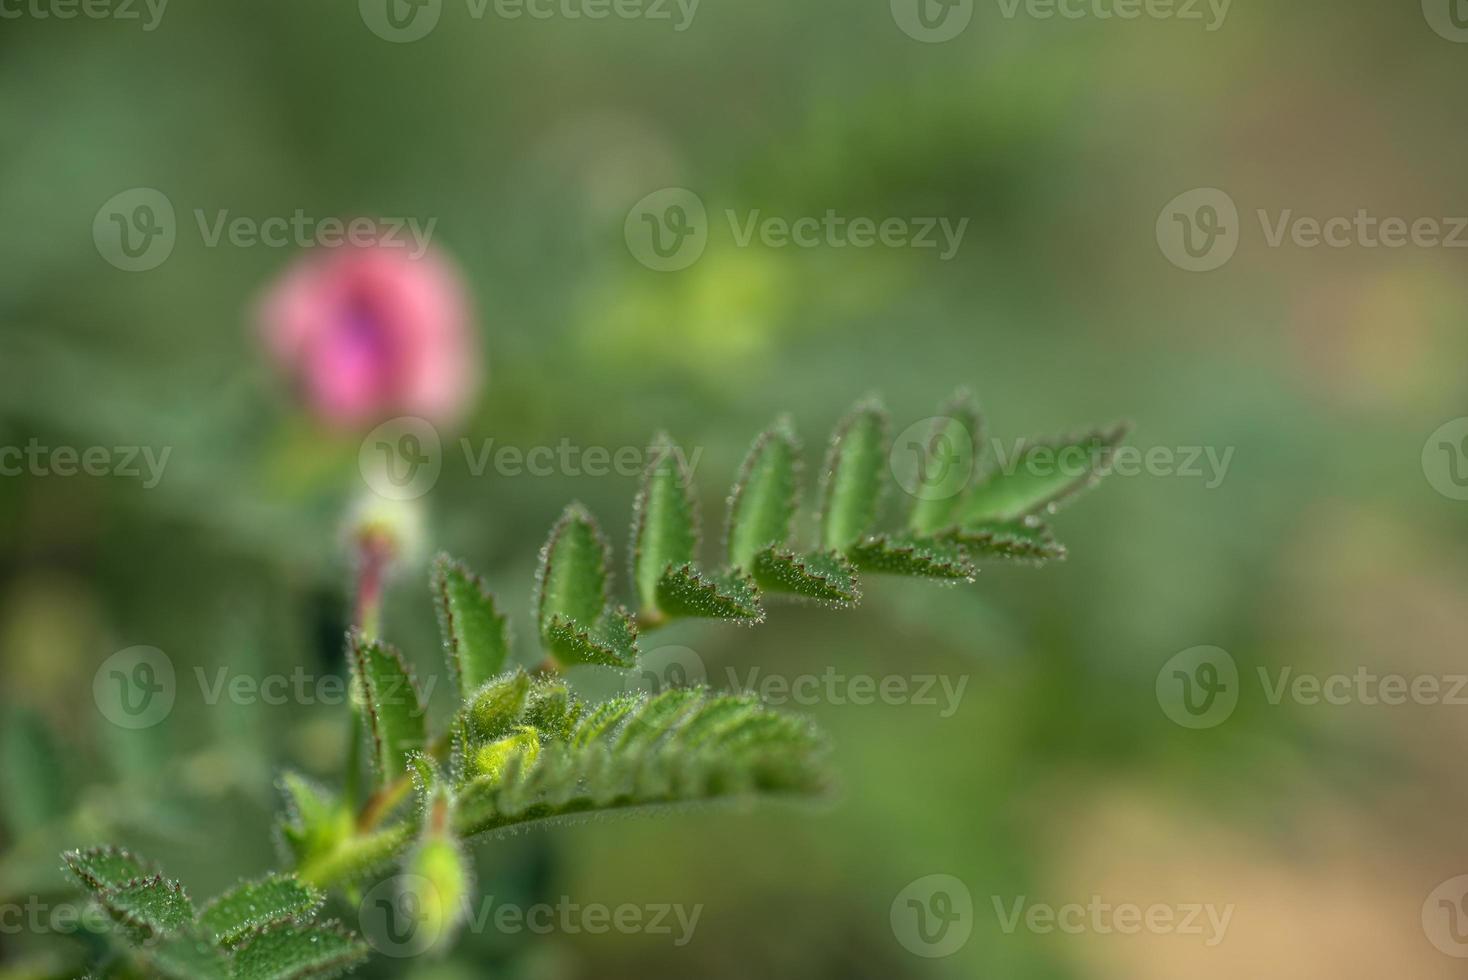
289	952
762	505
475	635
685	591
104	867
394	709
946	461
251	905
657	715
854	477
918	557
314	821
149	907
681	746
612	642
572	583
1024	540
1040	476
601	719
189	957
822	575
552	708
355	857
496	708
664	521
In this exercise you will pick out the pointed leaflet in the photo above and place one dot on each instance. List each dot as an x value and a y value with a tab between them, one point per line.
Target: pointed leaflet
475	635
314	822
685	591
394	710
149	907
100	868
916	557
664	521
612	642
1025	540
252	905
1038	476
762	505
823	575
290	952
946	460
572	597
188	957
852	483
496	708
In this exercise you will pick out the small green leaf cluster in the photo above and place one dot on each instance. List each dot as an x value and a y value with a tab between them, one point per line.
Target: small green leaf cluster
258	930
522	747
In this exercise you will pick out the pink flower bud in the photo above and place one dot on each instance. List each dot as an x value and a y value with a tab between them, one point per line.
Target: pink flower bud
370	332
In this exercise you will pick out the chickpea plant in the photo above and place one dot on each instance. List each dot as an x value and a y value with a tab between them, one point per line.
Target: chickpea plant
523	748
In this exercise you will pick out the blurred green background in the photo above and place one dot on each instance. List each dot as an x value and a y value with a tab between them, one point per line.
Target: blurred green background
1324	370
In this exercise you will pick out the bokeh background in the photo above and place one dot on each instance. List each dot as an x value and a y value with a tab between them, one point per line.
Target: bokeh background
1324	371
